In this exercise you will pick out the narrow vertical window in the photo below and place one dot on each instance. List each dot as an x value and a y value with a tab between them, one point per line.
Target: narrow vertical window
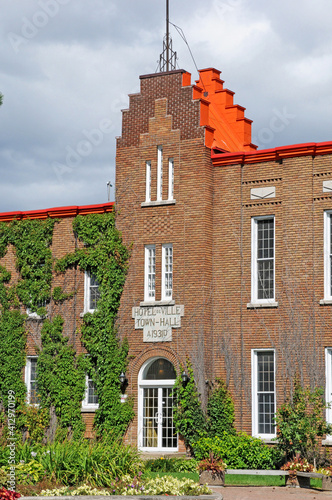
328	388
327	255
263	394
150	273
90	401
170	178
263	259
167	271
31	381
148	181
91	292
160	174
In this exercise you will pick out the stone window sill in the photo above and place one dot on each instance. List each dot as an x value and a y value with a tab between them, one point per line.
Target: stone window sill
158	303
325	302
260	305
326	442
157	203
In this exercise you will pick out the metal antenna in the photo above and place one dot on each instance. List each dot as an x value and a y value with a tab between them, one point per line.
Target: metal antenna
167	60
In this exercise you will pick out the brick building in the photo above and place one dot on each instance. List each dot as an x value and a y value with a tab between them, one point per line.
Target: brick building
230	262
231	255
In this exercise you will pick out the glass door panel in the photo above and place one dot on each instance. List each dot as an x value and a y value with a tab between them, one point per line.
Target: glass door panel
169	435
150	417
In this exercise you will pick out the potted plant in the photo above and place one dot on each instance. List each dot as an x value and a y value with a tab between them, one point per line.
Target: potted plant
212	471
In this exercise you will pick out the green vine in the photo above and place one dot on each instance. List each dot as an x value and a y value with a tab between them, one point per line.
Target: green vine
189	418
105	256
61	379
61	373
220	411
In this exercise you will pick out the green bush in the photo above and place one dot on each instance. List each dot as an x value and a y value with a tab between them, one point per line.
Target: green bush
239	451
75	462
189	418
171	465
220	410
300	421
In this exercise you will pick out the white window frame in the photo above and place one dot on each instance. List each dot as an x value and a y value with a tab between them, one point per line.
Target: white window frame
170	178
254	392
254	261
148	181
147	295
160	173
142	383
87	292
86	406
327	256
165	295
27	378
328	385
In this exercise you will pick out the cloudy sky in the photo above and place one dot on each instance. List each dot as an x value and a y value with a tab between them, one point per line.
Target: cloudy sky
67	66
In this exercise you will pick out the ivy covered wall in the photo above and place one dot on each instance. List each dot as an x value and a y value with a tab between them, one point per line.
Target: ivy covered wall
42	272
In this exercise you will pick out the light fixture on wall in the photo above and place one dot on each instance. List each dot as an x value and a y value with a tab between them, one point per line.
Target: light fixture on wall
185	378
123	380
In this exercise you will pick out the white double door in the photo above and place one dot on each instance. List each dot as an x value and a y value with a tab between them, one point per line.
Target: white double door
157	431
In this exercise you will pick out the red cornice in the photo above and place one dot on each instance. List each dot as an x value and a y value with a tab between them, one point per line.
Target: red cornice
58	212
275	154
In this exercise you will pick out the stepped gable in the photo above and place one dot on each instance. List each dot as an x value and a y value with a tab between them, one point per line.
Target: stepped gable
228	130
176	88
203	110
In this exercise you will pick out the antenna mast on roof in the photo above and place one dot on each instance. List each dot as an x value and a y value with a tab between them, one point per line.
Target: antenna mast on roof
167	60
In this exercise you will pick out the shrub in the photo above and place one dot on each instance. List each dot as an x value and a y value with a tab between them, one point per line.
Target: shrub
189	419
171	465
239	451
166	485
300	421
8	495
29	473
74	462
220	410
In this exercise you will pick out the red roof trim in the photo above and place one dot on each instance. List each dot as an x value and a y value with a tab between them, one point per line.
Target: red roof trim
58	212
308	149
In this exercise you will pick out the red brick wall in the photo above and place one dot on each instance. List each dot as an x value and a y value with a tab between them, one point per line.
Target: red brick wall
210	228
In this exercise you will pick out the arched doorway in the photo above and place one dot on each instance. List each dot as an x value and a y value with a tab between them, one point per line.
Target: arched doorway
156	430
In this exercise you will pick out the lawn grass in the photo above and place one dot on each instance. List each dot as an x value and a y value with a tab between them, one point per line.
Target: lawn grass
230	479
251	480
237	479
315	483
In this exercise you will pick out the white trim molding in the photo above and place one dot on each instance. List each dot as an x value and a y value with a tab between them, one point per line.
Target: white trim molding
170	178
327	256
263	261
90	283
160	173
263	393
167	272
90	394
155	416
30	378
148	182
150	273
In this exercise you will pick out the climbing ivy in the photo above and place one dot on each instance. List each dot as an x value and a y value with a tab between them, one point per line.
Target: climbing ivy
103	255
61	380
220	411
31	241
61	372
189	418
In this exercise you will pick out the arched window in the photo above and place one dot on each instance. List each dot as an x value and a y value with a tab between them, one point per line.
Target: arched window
156	430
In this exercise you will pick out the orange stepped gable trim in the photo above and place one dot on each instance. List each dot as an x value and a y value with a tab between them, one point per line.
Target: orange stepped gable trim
58	212
226	127
274	154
